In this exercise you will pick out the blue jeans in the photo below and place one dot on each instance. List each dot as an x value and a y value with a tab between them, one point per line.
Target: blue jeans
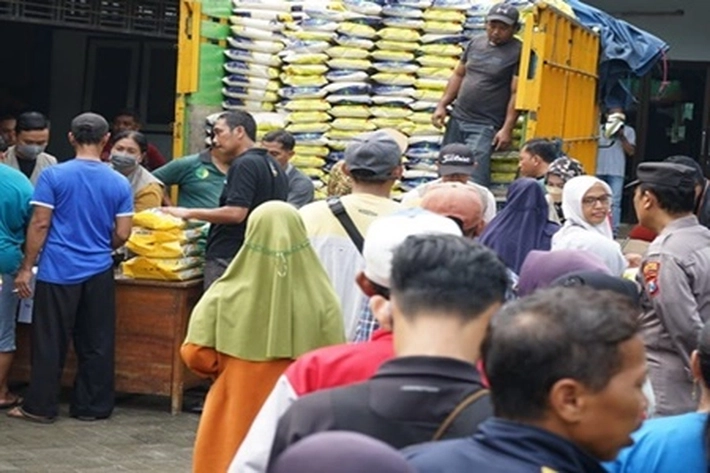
8	314
617	192
479	139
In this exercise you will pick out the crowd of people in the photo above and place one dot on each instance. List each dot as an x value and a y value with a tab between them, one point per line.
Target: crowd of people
439	334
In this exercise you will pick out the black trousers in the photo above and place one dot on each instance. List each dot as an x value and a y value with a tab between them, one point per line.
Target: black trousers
86	314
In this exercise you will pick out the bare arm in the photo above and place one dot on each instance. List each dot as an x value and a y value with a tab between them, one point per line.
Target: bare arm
504	137
122	231
223	215
450	94
629	148
36	236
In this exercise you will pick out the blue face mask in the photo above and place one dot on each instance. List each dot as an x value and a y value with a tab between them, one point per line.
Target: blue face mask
123	162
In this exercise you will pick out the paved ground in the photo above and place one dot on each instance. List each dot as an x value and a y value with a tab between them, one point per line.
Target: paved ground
141	436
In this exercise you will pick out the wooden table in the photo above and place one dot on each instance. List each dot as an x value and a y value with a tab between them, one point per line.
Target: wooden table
151	322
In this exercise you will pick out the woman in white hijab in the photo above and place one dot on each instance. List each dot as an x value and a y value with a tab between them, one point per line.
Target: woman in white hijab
586	204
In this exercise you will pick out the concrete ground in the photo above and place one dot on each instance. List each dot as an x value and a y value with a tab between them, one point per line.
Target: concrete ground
141	436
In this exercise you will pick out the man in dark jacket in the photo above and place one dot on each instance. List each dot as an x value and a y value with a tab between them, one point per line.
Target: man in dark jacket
443	291
566	368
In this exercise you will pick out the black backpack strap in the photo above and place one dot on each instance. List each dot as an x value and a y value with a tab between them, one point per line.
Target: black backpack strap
458	410
338	209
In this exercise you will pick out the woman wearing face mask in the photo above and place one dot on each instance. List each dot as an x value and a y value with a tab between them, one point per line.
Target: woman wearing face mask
586	204
561	170
128	149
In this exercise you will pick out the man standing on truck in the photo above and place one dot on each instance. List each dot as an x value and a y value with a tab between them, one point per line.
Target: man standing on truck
484	87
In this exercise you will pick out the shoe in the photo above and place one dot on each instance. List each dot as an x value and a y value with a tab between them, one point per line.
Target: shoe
19	413
89	418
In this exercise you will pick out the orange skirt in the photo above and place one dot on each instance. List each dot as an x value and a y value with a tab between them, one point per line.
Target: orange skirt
240	389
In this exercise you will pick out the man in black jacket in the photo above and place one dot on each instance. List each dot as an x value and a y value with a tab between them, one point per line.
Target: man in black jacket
566	368
444	290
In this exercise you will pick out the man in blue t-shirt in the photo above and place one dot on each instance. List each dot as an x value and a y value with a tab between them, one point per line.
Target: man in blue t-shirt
82	210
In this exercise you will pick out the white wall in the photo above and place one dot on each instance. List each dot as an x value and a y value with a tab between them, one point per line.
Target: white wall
688	35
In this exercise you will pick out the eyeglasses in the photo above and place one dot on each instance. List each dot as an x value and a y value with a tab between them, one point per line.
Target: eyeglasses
605	200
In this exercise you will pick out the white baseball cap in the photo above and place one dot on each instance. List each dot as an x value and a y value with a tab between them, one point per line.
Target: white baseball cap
387	233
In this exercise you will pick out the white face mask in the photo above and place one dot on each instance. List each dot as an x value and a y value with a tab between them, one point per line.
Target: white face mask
555	193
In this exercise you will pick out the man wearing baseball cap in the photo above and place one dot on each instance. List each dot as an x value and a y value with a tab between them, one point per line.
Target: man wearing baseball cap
456	163
336	227
483	91
675	278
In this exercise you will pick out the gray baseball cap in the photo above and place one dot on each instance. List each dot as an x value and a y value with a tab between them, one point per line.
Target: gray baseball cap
504	12
378	154
89	122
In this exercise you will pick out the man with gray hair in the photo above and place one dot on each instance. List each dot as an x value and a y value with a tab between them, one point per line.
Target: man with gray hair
82	211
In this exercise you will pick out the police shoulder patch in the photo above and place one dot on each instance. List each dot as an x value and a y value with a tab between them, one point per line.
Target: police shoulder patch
650	277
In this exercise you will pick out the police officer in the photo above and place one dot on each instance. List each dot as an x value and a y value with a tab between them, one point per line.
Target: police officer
675	280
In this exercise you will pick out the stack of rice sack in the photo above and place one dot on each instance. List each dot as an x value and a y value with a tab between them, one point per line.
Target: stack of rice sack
349	91
436	55
165	248
476	17
504	165
253	66
302	96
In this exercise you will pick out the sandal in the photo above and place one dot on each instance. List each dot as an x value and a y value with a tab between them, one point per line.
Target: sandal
14	400
19	413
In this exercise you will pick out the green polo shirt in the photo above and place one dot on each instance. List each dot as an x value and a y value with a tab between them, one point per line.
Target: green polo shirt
199	181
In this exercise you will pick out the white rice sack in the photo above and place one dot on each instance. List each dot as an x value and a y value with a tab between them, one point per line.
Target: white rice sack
359	30
270	47
428	106
298	80
244	55
308	127
305	69
272	5
301	58
396	67
392	56
397	22
436	73
348	88
354	42
385	111
433	139
306	47
292	93
307	105
307	117
435	84
311	139
267	15
256	33
460	5
363	7
394	90
346	52
393	101
351	64
246	93
421	4
386	44
398	34
442	27
239	80
314	24
254	23
350	111
247	105
445	38
445	62
402	11
355	124
346	75
389	78
251	70
268	120
349	99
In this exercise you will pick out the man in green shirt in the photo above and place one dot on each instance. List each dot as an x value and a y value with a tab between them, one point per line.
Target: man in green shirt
200	178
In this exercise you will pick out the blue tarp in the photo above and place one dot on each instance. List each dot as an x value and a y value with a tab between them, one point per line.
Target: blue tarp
626	50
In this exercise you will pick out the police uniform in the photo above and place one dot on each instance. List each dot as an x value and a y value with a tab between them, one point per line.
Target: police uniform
675	280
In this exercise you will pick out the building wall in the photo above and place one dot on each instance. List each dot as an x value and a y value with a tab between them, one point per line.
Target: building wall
688	35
